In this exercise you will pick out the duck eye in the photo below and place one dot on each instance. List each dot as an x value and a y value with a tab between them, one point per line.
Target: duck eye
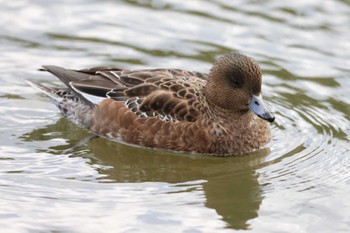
235	82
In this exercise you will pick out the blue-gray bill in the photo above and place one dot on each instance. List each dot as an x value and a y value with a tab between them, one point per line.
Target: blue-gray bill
258	106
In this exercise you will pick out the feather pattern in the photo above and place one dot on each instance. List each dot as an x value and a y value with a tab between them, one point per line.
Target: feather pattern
166	94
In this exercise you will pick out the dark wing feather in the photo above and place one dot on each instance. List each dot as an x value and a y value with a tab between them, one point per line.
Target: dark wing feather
97	69
68	76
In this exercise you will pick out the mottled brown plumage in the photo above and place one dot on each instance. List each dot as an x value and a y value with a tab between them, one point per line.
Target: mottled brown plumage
170	108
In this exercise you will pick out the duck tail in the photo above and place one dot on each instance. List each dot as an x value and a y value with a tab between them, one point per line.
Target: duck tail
49	92
68	103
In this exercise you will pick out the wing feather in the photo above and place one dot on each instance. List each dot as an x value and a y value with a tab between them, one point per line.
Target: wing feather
171	95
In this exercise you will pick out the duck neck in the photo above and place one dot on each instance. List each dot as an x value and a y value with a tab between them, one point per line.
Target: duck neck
217	113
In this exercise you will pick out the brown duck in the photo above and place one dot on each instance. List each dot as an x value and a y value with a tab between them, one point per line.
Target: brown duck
220	113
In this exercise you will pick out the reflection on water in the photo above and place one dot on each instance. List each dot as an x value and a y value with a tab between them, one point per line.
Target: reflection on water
231	187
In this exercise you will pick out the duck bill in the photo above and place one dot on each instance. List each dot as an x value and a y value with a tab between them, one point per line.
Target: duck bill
258	106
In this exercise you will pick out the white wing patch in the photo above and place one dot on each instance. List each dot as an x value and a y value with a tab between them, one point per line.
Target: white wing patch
116	75
92	98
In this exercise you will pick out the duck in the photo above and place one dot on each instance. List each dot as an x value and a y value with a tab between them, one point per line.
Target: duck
218	113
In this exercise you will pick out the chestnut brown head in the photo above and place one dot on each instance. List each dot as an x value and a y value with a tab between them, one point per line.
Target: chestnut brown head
235	84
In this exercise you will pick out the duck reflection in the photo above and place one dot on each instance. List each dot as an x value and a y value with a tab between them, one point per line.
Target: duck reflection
232	188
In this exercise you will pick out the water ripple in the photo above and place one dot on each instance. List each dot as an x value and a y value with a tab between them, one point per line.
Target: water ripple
309	139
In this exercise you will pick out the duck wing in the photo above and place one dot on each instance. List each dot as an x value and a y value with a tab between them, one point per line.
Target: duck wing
169	94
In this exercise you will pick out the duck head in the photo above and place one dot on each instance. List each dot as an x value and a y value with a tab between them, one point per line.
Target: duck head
235	84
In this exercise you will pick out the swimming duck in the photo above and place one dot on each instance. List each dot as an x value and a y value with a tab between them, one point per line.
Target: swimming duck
220	113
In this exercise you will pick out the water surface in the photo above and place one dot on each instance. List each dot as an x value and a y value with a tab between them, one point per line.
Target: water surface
299	183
